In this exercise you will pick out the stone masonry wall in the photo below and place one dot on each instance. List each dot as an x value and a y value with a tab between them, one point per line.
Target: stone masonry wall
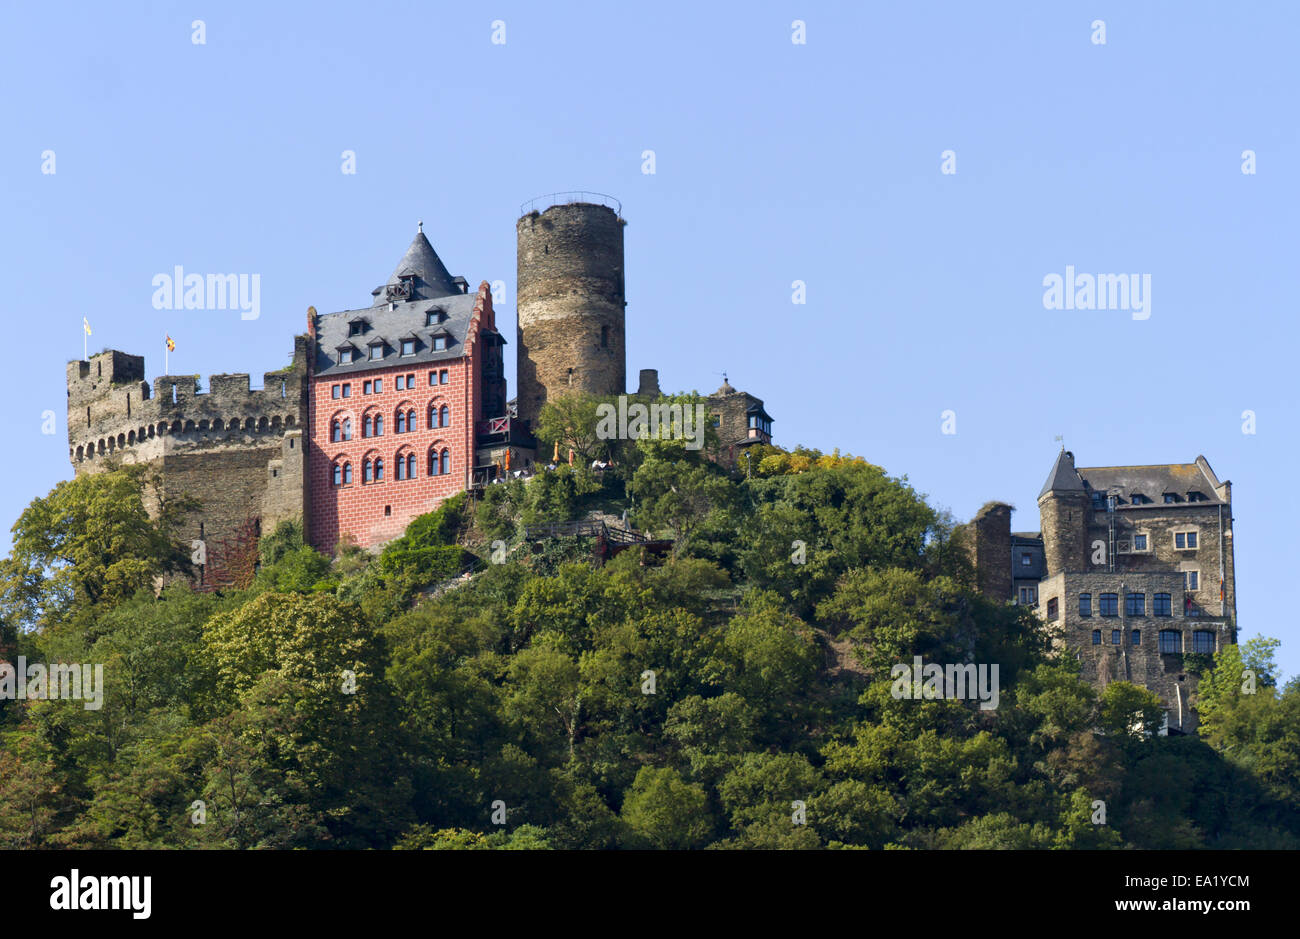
571	305
217	446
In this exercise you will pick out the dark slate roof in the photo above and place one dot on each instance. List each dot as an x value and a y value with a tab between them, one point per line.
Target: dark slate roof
1063	477
432	279
1152	481
432	289
1027	538
391	326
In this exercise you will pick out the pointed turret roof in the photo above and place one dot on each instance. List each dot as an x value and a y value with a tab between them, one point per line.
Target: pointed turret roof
420	259
1063	477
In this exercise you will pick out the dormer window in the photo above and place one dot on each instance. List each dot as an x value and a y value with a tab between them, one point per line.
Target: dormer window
346	354
1172	497
357	327
1138	499
408	347
376	351
1196	496
435	316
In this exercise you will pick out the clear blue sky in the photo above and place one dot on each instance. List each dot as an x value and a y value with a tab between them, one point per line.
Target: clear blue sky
775	162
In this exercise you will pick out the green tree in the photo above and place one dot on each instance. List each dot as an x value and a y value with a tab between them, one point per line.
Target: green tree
90	541
662	810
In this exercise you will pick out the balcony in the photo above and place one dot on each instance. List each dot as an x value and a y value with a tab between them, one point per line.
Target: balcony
501	430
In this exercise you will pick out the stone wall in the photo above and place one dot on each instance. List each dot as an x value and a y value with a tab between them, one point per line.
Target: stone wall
228	448
1159	523
988	541
1141	663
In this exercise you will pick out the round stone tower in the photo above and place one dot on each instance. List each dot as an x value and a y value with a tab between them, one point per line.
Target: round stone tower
570	288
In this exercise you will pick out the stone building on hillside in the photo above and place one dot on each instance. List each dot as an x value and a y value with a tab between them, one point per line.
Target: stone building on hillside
740	421
1134	563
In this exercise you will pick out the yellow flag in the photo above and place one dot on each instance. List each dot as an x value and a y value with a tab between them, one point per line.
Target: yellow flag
171	346
86	324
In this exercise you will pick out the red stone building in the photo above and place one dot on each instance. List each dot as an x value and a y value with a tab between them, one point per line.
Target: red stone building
402	396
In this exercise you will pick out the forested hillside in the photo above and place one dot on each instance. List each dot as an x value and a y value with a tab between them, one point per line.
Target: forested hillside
734	692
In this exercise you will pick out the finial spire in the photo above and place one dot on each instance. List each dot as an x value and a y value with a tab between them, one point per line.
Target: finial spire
419	227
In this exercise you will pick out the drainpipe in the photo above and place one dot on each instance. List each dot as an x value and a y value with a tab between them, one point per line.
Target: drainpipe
1123	619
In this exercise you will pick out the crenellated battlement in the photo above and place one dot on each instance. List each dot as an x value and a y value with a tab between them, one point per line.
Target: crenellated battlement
112	410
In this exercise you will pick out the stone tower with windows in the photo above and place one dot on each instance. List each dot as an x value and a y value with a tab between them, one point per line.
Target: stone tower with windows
571	303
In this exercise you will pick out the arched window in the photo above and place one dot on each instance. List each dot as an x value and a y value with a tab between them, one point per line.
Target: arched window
347	473
367	426
338	475
379	469
379	425
444	417
335	436
366	470
401	467
410	466
446	461
433	417
347	428
401	422
433	462
410	421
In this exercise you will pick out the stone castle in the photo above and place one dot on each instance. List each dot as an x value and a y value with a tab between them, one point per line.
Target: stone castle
1134	564
388	408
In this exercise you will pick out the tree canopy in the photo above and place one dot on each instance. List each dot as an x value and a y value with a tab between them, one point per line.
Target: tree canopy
468	688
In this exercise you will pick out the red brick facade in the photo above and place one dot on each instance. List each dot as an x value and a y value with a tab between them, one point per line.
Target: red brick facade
377	510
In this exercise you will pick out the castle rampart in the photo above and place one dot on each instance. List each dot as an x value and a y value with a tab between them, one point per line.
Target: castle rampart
236	449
